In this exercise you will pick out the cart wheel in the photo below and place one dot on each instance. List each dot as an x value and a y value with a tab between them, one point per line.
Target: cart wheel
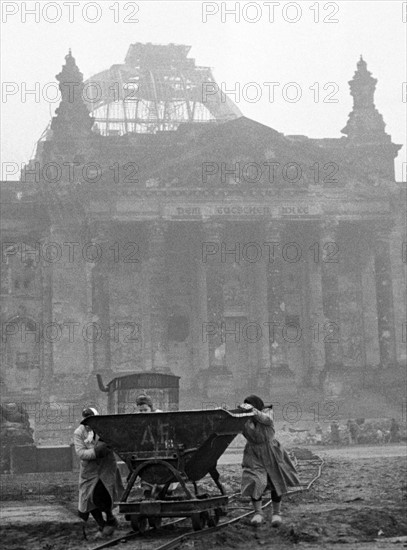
213	519
155	522
139	524
199	520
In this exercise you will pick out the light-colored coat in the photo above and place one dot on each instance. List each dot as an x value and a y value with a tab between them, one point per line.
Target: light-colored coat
265	458
92	469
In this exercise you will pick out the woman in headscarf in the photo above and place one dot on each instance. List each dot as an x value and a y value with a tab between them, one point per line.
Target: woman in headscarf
145	404
100	484
266	464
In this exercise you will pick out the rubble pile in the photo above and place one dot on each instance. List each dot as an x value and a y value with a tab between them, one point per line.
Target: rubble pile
14	430
379	431
369	431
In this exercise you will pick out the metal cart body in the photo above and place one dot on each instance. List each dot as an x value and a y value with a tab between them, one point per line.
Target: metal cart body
167	447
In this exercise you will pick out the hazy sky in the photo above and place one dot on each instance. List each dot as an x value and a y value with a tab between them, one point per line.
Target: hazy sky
282	50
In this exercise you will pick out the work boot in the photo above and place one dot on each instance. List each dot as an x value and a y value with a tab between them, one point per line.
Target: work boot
276	520
111	524
108	530
257	519
111	519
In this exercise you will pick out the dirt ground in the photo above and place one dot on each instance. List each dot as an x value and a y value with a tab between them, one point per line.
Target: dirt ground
355	502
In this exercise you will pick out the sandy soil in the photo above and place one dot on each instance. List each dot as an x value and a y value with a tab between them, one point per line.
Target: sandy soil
351	505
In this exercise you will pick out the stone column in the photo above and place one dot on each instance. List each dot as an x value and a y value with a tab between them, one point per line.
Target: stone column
47	366
384	295
213	267
315	346
276	305
89	267
202	304
331	256
145	316
262	312
157	231
370	324
398	256
101	298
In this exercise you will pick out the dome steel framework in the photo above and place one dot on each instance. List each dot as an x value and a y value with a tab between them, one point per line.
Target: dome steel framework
156	89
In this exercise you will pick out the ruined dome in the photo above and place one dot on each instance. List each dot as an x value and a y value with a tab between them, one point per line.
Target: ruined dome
156	89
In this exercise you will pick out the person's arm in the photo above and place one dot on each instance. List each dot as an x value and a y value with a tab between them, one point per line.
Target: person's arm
265	416
81	450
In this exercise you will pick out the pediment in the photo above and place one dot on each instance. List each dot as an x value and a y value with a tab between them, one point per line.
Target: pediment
236	134
240	136
177	160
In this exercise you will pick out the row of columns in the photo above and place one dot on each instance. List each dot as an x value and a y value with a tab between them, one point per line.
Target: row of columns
322	296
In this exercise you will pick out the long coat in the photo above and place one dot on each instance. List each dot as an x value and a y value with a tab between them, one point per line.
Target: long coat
264	458
93	469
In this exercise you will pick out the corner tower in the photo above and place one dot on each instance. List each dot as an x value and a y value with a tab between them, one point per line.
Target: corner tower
72	120
365	128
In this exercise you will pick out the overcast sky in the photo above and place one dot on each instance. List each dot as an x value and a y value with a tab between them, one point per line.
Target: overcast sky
284	50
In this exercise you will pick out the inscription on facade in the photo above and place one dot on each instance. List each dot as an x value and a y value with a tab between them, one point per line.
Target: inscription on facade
294	210
241	210
185	211
299	210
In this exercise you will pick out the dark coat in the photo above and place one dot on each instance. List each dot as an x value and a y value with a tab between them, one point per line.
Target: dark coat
265	459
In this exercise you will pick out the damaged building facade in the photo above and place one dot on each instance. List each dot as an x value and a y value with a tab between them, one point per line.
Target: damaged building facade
157	228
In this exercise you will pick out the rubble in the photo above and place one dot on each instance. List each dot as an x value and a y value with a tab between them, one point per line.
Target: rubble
14	430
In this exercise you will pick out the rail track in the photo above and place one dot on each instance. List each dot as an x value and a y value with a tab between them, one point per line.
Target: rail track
309	467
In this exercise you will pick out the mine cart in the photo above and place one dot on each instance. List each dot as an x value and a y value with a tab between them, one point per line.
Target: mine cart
163	388
166	448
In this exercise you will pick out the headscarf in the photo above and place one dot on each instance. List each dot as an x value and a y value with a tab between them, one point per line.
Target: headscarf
145	400
89	411
255	402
